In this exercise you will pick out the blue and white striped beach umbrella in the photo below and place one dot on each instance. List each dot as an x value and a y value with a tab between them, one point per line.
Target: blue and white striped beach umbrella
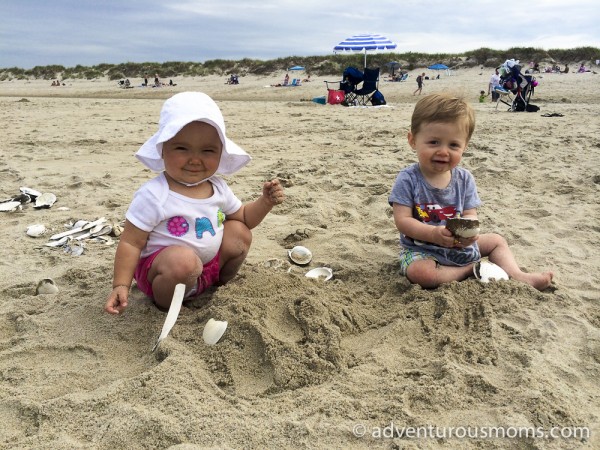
365	43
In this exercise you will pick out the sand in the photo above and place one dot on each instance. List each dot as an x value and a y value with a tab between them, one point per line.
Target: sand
303	363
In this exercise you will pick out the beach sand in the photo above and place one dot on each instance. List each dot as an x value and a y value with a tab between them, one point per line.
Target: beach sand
303	362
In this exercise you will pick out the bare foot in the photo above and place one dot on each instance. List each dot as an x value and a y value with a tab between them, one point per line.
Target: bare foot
540	280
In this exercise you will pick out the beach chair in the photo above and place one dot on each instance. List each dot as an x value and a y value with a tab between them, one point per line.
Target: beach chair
351	78
369	86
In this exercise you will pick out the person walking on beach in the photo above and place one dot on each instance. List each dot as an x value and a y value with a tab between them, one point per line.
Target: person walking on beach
434	189
420	80
186	225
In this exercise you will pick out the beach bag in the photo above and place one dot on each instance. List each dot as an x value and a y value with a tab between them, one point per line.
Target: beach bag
335	97
532	108
377	99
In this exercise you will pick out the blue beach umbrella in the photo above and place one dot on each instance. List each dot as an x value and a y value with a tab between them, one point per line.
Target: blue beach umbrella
296	68
364	43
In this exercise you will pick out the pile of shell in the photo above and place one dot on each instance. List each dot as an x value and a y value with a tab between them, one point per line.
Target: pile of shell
72	240
27	195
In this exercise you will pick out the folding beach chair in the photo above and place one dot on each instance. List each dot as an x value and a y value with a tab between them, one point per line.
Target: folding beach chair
347	87
369	87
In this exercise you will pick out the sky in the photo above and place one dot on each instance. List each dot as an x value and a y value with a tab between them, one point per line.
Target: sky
72	32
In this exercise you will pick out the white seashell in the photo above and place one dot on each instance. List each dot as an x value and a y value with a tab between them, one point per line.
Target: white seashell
45	200
76	229
46	286
300	255
10	206
176	301
74	249
36	230
213	330
487	271
31	192
63	208
58	242
320	273
100	230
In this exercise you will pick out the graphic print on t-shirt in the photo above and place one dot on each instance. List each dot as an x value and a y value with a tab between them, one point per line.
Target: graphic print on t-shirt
432	212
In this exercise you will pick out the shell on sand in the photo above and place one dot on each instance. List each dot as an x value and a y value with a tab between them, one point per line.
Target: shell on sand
300	255
36	230
320	273
45	200
213	331
10	206
487	271
46	286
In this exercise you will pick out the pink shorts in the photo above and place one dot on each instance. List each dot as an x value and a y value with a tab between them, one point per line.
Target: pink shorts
208	277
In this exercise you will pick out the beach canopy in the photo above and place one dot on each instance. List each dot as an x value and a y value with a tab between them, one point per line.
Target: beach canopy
363	43
296	68
439	67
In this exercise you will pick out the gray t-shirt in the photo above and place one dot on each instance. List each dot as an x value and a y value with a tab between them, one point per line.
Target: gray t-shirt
433	206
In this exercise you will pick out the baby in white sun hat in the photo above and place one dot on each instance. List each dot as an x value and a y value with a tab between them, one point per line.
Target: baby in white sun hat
186	225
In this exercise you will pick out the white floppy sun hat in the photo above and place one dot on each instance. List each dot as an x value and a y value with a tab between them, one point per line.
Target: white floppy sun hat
177	112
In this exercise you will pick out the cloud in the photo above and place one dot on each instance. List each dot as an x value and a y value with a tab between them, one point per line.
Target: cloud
70	32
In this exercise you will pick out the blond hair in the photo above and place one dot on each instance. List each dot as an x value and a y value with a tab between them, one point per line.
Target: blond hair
442	108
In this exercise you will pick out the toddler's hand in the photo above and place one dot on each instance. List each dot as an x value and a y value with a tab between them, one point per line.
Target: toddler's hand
443	237
273	192
117	300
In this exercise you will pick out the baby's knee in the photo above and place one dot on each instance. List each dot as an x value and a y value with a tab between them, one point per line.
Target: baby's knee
186	264
423	273
236	237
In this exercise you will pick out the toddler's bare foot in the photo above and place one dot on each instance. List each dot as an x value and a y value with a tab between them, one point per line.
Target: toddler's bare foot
540	280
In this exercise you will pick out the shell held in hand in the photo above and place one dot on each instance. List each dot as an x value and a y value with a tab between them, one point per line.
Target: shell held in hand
463	227
300	255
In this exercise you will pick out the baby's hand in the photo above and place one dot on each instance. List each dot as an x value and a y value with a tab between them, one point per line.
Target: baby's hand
117	300
443	237
273	192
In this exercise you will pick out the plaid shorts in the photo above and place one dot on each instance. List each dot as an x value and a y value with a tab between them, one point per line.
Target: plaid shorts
407	257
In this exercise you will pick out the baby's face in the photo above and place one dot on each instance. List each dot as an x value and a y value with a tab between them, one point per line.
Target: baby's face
439	146
193	154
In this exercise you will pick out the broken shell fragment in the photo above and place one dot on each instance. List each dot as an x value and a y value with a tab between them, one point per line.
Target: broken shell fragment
23	198
463	227
300	255
320	273
45	200
46	286
32	193
213	331
36	230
